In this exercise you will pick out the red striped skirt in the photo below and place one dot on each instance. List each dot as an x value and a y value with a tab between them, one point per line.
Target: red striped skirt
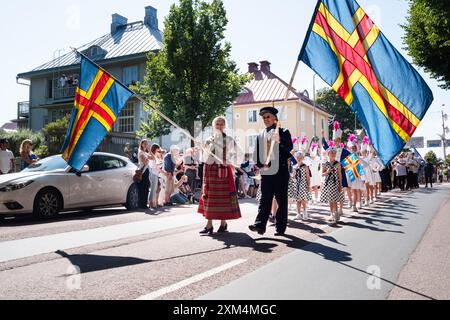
219	199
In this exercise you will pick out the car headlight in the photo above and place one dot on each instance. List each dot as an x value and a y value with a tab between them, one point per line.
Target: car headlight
16	186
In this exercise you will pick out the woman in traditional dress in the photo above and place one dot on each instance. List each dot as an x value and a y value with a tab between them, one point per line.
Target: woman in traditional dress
219	199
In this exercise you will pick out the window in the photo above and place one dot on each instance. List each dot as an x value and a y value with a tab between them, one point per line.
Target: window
58	114
101	163
302	114
125	122
282	113
252	116
323	124
130	75
49	88
251	143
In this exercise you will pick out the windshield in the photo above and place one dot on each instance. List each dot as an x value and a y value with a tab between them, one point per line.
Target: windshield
48	164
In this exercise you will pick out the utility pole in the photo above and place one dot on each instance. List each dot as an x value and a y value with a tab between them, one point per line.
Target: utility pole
444	131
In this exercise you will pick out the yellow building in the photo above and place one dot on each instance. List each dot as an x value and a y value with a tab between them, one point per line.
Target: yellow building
266	89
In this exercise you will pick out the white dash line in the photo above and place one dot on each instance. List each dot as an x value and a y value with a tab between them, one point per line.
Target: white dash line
156	294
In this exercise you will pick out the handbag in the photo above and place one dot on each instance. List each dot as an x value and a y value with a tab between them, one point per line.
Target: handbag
138	175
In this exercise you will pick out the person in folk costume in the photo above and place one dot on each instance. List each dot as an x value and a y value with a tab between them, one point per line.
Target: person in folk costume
301	187
377	166
218	200
273	150
368	176
332	191
314	167
357	185
341	154
292	190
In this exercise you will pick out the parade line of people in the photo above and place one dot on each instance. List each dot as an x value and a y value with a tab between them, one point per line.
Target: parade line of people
287	171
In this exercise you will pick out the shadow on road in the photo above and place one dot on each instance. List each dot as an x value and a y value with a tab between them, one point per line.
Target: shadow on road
91	263
326	252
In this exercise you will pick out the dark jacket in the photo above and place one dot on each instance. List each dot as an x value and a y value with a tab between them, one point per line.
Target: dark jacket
429	169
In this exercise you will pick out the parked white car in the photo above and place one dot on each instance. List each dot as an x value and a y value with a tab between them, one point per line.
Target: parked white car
51	186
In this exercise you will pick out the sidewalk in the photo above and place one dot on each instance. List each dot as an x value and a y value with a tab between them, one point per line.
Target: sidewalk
427	273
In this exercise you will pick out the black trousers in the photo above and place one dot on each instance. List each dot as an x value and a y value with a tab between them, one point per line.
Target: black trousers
401	182
428	179
274	186
410	184
143	188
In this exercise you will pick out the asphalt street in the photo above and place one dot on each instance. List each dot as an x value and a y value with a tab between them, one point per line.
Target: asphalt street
115	254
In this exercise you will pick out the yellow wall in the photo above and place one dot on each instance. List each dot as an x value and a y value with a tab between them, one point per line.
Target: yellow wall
291	120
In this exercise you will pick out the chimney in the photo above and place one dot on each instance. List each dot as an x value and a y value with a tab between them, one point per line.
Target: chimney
253	67
151	17
117	22
265	66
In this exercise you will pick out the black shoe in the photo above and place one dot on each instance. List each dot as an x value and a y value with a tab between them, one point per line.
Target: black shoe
256	228
223	229
272	218
207	231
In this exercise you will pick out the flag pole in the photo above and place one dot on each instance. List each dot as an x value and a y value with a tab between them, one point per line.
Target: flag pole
286	97
162	115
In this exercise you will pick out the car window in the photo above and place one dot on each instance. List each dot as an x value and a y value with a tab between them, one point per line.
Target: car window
48	164
101	163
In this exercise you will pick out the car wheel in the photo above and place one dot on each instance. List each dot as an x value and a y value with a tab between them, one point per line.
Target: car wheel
132	198
47	204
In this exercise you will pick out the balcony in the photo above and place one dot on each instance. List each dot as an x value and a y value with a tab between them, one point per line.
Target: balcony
23	109
64	93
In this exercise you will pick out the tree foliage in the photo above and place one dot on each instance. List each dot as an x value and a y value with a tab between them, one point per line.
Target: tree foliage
15	139
193	77
337	107
55	134
433	157
428	37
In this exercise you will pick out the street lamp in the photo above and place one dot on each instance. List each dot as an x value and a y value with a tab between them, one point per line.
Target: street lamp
444	131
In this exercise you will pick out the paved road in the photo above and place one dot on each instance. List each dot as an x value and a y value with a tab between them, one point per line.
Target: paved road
363	262
114	254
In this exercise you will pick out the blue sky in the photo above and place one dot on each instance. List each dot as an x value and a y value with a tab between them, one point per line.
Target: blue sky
274	30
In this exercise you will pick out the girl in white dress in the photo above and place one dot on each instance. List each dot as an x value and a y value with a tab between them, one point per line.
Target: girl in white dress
314	167
368	176
357	186
377	166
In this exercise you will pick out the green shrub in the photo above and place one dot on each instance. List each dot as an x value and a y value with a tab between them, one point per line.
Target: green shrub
15	139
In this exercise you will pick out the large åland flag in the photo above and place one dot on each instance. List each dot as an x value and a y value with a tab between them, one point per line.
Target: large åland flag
99	99
347	50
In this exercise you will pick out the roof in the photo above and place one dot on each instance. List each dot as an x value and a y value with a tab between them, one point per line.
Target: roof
268	87
9	126
130	39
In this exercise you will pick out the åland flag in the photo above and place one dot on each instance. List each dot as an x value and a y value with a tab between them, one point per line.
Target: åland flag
352	167
99	99
346	49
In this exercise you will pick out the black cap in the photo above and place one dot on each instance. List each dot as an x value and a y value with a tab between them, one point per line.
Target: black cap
270	110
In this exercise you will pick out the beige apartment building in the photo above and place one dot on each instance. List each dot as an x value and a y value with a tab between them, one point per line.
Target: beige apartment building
267	89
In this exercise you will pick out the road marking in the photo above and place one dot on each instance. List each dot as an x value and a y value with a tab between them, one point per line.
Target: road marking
23	248
161	292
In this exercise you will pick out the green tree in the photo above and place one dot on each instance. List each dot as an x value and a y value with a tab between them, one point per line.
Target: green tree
15	139
428	37
334	105
432	156
55	134
193	77
447	160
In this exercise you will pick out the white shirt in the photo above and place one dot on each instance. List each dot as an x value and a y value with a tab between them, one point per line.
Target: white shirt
5	160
